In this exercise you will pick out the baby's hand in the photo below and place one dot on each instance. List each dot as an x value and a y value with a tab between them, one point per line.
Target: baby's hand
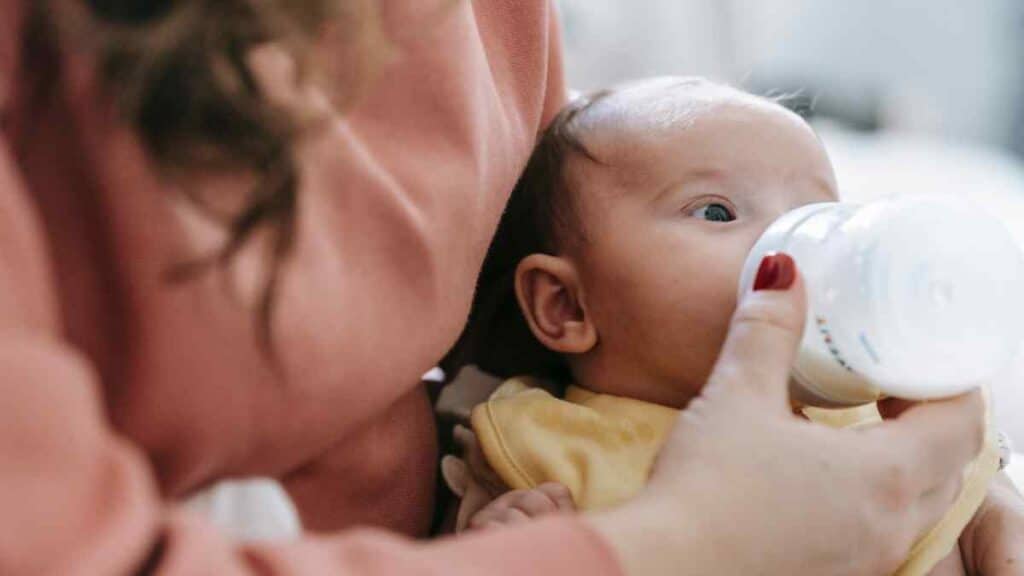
993	543
520	506
484	500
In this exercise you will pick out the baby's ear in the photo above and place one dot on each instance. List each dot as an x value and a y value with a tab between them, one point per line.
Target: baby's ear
551	298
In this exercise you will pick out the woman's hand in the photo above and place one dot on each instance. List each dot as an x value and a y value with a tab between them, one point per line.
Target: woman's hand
745	487
993	543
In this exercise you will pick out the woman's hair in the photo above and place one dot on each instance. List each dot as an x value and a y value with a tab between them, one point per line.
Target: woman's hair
177	72
540	217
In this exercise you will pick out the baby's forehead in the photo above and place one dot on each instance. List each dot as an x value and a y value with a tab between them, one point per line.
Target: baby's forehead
648	135
619	127
656	101
659	104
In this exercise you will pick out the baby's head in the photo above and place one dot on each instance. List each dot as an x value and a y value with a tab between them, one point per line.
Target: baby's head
617	261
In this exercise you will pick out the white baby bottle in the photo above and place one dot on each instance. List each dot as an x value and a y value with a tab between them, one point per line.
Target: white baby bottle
911	297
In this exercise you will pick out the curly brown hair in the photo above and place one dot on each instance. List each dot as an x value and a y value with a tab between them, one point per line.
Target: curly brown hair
178	72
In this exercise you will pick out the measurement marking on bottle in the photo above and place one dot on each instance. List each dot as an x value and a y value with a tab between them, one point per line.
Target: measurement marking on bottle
830	343
868	348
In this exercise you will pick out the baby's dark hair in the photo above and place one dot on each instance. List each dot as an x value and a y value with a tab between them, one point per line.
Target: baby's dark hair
541	217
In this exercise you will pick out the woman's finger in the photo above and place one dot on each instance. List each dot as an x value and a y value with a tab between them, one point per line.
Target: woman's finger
936	439
763	338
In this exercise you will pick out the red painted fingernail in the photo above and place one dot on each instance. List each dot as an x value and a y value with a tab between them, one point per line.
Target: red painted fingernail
777	272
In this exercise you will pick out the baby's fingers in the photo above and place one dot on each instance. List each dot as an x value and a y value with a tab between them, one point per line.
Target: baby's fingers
545	499
560	495
521	505
504	517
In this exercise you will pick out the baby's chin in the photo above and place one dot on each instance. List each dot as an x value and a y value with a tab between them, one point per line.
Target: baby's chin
677	394
689	384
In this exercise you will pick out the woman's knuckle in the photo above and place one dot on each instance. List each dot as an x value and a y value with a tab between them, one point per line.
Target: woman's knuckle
766	315
896	486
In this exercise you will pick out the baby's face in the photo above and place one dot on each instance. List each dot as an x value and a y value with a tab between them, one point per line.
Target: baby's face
689	177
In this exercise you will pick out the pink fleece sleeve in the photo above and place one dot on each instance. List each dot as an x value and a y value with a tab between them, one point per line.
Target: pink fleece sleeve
78	499
321	487
554	547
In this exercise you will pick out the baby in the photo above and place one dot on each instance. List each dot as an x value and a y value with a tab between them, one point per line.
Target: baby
615	269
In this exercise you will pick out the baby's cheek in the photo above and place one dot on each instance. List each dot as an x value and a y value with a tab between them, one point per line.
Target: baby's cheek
666	311
699	328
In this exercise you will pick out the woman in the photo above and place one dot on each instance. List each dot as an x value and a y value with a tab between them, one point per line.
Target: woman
210	272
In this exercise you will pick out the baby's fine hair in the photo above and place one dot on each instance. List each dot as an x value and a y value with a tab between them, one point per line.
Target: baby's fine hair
540	217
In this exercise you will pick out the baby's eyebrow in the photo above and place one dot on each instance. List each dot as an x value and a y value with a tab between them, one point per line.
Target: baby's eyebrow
713	175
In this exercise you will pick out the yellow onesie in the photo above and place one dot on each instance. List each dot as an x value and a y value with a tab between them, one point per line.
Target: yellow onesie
603	447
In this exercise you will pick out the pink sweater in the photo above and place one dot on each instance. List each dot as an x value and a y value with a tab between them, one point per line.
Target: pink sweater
121	392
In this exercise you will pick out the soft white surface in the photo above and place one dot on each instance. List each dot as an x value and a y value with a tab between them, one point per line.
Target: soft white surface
258	508
1016	470
249	510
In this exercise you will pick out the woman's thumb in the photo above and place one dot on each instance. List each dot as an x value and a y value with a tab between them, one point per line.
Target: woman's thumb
764	335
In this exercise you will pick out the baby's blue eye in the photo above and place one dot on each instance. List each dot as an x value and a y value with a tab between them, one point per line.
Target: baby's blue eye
714	213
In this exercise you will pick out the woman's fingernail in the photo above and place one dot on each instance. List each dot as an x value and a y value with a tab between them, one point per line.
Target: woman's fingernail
777	272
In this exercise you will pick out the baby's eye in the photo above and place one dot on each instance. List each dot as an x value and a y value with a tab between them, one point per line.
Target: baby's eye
714	212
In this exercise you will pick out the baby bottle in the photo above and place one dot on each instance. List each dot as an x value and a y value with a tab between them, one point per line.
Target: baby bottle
910	297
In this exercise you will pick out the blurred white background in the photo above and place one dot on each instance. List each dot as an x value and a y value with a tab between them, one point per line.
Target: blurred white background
923	96
945	68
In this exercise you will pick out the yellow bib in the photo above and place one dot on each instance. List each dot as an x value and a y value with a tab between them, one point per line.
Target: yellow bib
602	449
